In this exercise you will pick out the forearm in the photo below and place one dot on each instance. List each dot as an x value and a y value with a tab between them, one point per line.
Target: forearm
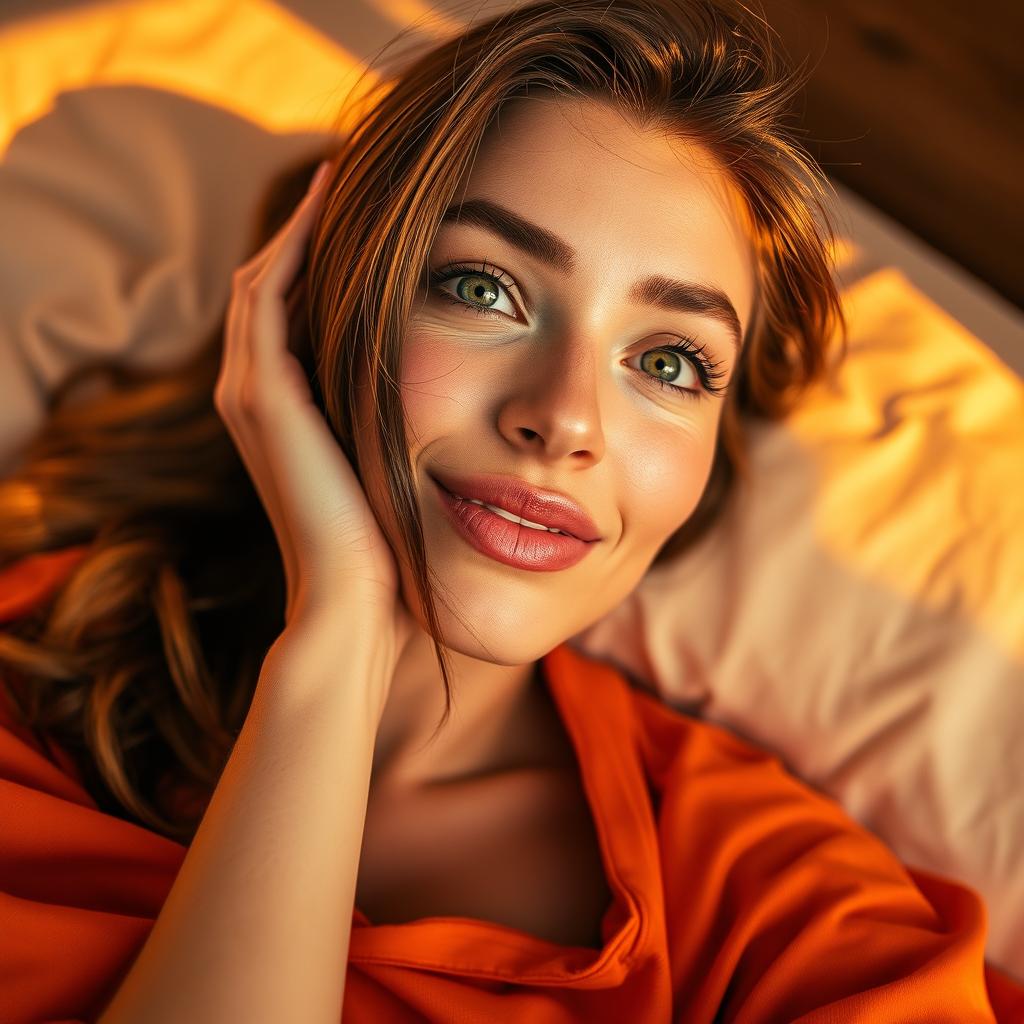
256	926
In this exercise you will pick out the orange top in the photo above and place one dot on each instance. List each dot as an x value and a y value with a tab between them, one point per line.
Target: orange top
739	893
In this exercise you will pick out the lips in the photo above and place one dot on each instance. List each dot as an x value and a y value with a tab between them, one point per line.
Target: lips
548	508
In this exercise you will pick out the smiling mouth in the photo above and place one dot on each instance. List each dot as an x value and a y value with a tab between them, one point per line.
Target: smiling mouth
505	514
506	538
512	518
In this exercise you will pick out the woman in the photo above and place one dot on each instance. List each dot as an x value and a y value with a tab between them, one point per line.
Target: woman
553	266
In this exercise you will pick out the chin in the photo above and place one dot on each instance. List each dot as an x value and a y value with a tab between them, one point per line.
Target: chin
502	633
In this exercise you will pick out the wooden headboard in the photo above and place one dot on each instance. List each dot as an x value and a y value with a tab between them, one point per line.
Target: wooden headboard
917	106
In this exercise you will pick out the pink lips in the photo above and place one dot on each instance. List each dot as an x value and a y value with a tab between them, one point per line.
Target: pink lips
538	505
512	543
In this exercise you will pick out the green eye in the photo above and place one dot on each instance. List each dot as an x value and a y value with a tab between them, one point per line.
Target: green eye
658	365
667	366
477	288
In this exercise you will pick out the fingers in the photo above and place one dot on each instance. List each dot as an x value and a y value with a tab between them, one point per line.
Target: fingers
284	253
329	538
275	274
235	405
247	287
254	337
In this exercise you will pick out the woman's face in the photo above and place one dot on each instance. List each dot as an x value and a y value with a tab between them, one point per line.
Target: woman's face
556	381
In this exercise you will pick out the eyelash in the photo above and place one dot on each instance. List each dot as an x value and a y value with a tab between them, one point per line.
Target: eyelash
697	356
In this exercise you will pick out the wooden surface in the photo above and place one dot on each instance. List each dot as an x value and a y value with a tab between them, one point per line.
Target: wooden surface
916	106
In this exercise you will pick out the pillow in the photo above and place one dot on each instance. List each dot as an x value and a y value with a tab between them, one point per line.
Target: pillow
118	242
857	610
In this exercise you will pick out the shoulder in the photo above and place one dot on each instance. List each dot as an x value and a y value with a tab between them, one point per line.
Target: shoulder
751	809
780	882
675	741
665	737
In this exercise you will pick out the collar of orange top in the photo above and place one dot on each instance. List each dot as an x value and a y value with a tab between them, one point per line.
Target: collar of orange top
593	701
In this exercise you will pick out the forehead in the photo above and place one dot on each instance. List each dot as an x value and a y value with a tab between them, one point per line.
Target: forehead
631	202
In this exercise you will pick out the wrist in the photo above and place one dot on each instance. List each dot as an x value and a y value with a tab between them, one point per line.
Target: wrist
335	657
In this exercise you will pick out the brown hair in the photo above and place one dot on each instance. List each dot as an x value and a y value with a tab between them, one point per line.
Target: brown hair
143	664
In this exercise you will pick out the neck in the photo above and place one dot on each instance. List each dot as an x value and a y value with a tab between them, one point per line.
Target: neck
492	706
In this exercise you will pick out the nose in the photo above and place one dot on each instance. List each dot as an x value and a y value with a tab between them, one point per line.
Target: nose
553	406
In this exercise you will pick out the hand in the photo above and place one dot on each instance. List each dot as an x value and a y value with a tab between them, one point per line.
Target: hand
334	552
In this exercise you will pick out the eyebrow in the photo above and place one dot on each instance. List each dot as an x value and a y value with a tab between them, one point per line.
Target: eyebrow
667	293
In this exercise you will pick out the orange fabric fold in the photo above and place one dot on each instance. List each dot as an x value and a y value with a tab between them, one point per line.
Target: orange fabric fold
738	892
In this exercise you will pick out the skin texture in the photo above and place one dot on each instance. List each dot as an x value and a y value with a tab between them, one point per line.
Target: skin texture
554	393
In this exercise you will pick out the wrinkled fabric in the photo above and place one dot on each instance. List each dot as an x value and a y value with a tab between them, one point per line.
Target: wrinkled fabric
739	894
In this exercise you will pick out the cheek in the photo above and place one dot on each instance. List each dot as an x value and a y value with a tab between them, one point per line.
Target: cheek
439	386
664	474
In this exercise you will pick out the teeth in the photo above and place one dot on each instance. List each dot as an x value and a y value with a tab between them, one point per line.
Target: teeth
511	518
